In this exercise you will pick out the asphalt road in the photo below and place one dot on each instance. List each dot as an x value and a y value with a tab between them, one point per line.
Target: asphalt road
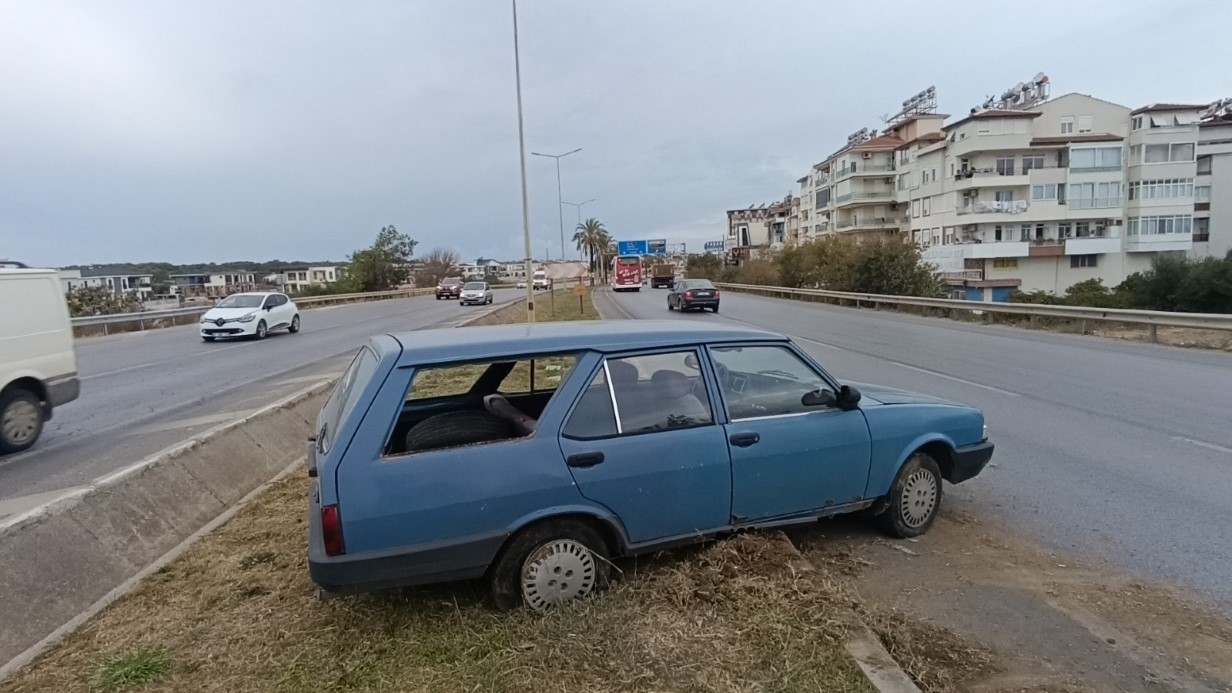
1117	452
144	391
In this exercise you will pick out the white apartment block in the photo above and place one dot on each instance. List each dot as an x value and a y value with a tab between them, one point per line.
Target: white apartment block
295	279
1028	194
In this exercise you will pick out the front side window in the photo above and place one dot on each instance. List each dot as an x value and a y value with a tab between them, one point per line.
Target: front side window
767	381
642	394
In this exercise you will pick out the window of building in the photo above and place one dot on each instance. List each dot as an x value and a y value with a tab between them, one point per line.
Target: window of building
1000	234
903	181
951	169
1024	232
1204	164
1084	123
768	381
1003	195
1005	263
1095	158
1076	261
1168	153
1063	230
1202	230
1067	125
1202	193
1094	195
1137	122
1162	189
915	208
1160	225
1039	231
924	176
1047	191
1031	162
927	206
934	176
1005	165
1082	229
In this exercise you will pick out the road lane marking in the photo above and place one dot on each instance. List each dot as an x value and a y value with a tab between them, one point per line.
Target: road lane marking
822	344
1208	446
150	364
990	388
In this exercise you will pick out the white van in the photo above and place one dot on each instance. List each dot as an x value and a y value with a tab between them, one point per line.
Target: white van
38	367
540	279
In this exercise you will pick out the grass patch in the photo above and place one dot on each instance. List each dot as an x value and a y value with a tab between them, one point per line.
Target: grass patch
126	672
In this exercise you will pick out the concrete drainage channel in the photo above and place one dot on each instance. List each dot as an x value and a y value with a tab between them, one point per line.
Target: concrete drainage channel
67	560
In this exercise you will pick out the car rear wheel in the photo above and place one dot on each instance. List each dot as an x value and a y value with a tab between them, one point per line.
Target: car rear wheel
715	308
915	498
550	563
262	330
21	420
294	325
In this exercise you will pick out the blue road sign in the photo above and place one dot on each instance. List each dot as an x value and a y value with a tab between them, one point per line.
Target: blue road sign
632	248
714	245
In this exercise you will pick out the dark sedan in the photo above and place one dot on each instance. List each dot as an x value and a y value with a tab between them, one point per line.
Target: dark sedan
693	294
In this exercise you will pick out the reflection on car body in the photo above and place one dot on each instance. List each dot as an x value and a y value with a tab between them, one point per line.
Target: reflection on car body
530	449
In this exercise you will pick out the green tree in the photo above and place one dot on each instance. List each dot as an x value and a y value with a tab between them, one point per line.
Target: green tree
100	300
591	238
703	267
382	267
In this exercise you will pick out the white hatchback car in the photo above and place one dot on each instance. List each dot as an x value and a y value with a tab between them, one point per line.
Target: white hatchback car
476	293
250	315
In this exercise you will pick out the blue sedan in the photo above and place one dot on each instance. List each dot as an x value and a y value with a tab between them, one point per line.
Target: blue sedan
531	455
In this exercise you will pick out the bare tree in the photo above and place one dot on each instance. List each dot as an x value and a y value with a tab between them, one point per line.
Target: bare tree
438	263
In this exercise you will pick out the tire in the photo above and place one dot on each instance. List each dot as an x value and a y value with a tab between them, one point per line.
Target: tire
520	575
456	428
669	306
262	330
207	339
914	500
294	325
21	420
715	309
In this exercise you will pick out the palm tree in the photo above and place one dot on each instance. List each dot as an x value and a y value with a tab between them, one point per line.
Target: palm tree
592	239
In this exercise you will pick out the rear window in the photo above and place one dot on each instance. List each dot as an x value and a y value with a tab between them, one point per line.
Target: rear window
627	261
525	375
475	286
698	284
346	393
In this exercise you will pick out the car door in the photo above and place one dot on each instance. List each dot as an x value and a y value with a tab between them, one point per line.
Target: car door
282	310
642	440
269	311
788	457
673	296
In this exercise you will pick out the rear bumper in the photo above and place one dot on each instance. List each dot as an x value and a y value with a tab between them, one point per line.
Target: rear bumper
969	461
700	303
61	390
421	564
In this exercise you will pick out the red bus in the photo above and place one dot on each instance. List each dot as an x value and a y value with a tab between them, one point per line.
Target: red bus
627	273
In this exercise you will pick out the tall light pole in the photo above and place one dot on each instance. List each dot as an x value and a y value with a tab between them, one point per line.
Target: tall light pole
530	272
559	211
579	206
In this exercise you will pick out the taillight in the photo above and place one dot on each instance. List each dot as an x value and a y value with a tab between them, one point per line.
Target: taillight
716	293
331	531
688	294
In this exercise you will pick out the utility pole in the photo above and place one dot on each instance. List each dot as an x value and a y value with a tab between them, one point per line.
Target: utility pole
559	202
530	272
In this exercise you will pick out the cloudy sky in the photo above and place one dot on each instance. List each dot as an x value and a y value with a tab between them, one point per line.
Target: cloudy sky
208	131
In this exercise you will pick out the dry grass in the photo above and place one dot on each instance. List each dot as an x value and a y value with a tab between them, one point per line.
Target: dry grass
238	613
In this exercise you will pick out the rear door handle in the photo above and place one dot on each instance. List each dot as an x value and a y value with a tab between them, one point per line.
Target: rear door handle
744	440
585	459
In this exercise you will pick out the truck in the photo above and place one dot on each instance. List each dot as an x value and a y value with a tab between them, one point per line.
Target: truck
662	275
540	280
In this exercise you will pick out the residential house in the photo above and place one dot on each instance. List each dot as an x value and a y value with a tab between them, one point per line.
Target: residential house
139	286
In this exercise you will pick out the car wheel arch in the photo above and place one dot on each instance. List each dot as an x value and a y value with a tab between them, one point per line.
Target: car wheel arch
937	446
608	526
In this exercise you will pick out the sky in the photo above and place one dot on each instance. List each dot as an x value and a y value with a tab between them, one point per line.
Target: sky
193	132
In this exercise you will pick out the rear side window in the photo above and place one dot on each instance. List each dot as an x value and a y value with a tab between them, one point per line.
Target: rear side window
346	393
524	376
653	392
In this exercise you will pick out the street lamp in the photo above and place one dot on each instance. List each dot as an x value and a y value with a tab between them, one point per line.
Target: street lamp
560	213
579	206
530	272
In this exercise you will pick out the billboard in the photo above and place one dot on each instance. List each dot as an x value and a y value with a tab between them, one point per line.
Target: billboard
713	245
656	247
632	248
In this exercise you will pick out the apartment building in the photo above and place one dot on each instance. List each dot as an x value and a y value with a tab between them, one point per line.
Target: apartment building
297	279
137	285
1212	224
860	186
752	230
213	285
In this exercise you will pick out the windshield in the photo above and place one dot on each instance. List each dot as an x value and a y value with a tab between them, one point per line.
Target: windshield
241	301
475	286
450	281
626	261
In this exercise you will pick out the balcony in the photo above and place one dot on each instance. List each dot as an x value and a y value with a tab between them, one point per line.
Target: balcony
988	178
958	276
867	223
864	198
996	208
1094	203
999	249
864	169
1159	242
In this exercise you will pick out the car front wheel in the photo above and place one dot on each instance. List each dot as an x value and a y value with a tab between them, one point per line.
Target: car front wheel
294	325
262	330
915	498
549	564
21	420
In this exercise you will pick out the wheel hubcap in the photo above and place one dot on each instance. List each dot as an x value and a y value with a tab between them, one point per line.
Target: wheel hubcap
21	420
557	572
919	498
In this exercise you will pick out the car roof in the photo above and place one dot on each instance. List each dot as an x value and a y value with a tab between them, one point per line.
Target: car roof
252	293
494	341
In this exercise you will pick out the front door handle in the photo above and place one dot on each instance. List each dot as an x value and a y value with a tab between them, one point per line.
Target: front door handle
744	440
585	459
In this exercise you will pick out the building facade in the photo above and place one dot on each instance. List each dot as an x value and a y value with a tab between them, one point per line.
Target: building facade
138	285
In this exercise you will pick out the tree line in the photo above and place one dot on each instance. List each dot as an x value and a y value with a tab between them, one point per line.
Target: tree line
1174	283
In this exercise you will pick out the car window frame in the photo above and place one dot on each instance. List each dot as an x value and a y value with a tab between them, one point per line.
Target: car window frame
490	361
792	348
718	416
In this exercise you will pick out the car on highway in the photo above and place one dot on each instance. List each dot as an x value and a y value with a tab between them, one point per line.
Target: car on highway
693	294
531	455
38	363
522	284
476	294
450	287
253	315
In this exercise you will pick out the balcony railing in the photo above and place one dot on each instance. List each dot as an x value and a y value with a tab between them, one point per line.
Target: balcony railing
863	168
983	207
867	222
962	275
1094	202
845	197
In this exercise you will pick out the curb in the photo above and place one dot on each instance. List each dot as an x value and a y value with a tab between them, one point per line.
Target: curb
878	666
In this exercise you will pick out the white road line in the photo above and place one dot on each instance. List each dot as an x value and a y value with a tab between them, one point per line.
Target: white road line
957	380
821	344
159	362
1208	446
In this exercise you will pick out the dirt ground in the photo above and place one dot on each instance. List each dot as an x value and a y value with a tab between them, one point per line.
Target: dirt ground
1048	622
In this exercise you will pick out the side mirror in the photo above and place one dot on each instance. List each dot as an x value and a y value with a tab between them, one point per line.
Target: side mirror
848	398
819	398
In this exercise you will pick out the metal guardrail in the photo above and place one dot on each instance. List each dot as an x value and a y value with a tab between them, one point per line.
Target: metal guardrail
1152	318
308	301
